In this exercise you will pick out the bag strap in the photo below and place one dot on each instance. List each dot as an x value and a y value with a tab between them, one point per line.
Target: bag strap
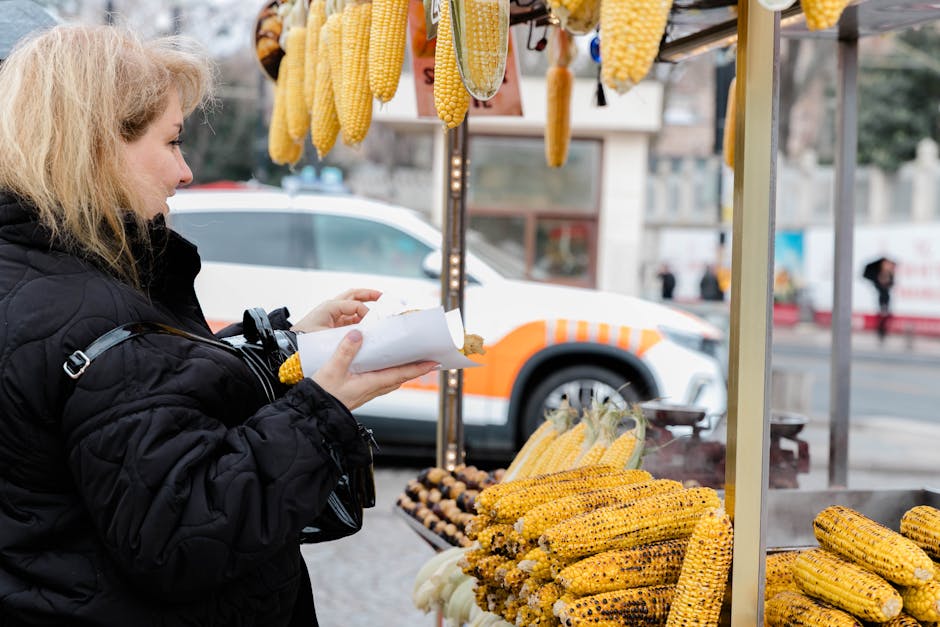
76	363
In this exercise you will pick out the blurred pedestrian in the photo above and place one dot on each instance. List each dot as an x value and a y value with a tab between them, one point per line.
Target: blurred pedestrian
668	280
709	287
884	283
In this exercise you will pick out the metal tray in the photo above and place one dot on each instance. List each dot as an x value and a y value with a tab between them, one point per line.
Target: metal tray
790	513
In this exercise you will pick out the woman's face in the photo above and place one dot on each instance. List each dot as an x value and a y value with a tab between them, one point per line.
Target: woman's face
155	160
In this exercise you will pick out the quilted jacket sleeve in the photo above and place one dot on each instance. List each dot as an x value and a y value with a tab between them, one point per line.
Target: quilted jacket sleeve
184	494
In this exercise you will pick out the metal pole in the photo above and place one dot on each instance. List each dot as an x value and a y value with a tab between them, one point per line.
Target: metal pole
844	208
746	475
450	451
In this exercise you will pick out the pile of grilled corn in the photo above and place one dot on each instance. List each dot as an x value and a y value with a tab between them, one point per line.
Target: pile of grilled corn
861	572
598	545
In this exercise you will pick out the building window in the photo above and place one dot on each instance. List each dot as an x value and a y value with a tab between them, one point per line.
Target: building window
544	219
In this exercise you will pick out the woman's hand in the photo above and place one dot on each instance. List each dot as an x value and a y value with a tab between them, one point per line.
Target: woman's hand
345	309
354	390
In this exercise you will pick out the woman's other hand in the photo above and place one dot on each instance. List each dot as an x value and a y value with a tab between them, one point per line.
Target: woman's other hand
354	390
347	308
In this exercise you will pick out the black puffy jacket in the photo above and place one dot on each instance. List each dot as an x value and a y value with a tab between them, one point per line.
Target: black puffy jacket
159	488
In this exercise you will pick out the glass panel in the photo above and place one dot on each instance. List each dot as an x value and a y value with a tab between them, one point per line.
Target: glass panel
262	238
499	241
510	173
353	245
563	250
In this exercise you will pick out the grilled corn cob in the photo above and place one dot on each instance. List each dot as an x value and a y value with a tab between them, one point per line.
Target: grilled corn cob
290	372
877	548
515	505
355	117
540	565
923	602
922	525
792	609
631	33
557	421
826	576
632	606
653	564
779	573
487	499
704	574
822	14
902	620
451	98
481	41
536	520
659	517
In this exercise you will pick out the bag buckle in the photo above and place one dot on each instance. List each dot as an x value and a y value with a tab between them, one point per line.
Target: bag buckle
76	364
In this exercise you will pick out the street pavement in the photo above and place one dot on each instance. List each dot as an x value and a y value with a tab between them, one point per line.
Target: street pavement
366	580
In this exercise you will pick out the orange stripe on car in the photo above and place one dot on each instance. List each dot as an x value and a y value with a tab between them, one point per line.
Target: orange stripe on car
581	332
623	338
603	333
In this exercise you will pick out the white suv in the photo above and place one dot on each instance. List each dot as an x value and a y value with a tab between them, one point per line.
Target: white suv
269	248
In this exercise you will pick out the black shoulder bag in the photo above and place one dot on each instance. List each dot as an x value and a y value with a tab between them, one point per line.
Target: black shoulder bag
263	349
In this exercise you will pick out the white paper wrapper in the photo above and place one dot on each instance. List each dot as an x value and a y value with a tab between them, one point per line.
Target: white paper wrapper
425	335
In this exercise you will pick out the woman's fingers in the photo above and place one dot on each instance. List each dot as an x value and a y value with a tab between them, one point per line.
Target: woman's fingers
363	294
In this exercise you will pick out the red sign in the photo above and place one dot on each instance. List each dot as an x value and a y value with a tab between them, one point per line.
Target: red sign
507	101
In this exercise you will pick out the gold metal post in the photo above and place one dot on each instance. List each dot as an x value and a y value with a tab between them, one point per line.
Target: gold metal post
752	266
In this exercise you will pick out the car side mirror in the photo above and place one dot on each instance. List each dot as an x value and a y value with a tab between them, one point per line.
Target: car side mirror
431	265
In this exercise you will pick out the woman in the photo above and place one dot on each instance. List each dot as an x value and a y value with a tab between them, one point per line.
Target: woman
159	488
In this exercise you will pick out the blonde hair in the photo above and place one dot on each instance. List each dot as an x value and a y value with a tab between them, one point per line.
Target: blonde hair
71	97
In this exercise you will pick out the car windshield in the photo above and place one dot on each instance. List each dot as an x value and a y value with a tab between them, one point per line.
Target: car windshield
506	263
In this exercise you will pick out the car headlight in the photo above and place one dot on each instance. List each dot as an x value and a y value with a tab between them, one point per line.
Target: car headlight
692	341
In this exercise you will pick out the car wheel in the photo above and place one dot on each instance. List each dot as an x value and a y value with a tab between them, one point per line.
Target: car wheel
579	384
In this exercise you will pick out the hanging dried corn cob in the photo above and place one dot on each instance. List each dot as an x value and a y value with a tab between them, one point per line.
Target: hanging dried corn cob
298	116
481	40
451	98
387	46
323	133
558	83
334	30
557	421
355	117
631	31
727	138
281	148
822	14
316	16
